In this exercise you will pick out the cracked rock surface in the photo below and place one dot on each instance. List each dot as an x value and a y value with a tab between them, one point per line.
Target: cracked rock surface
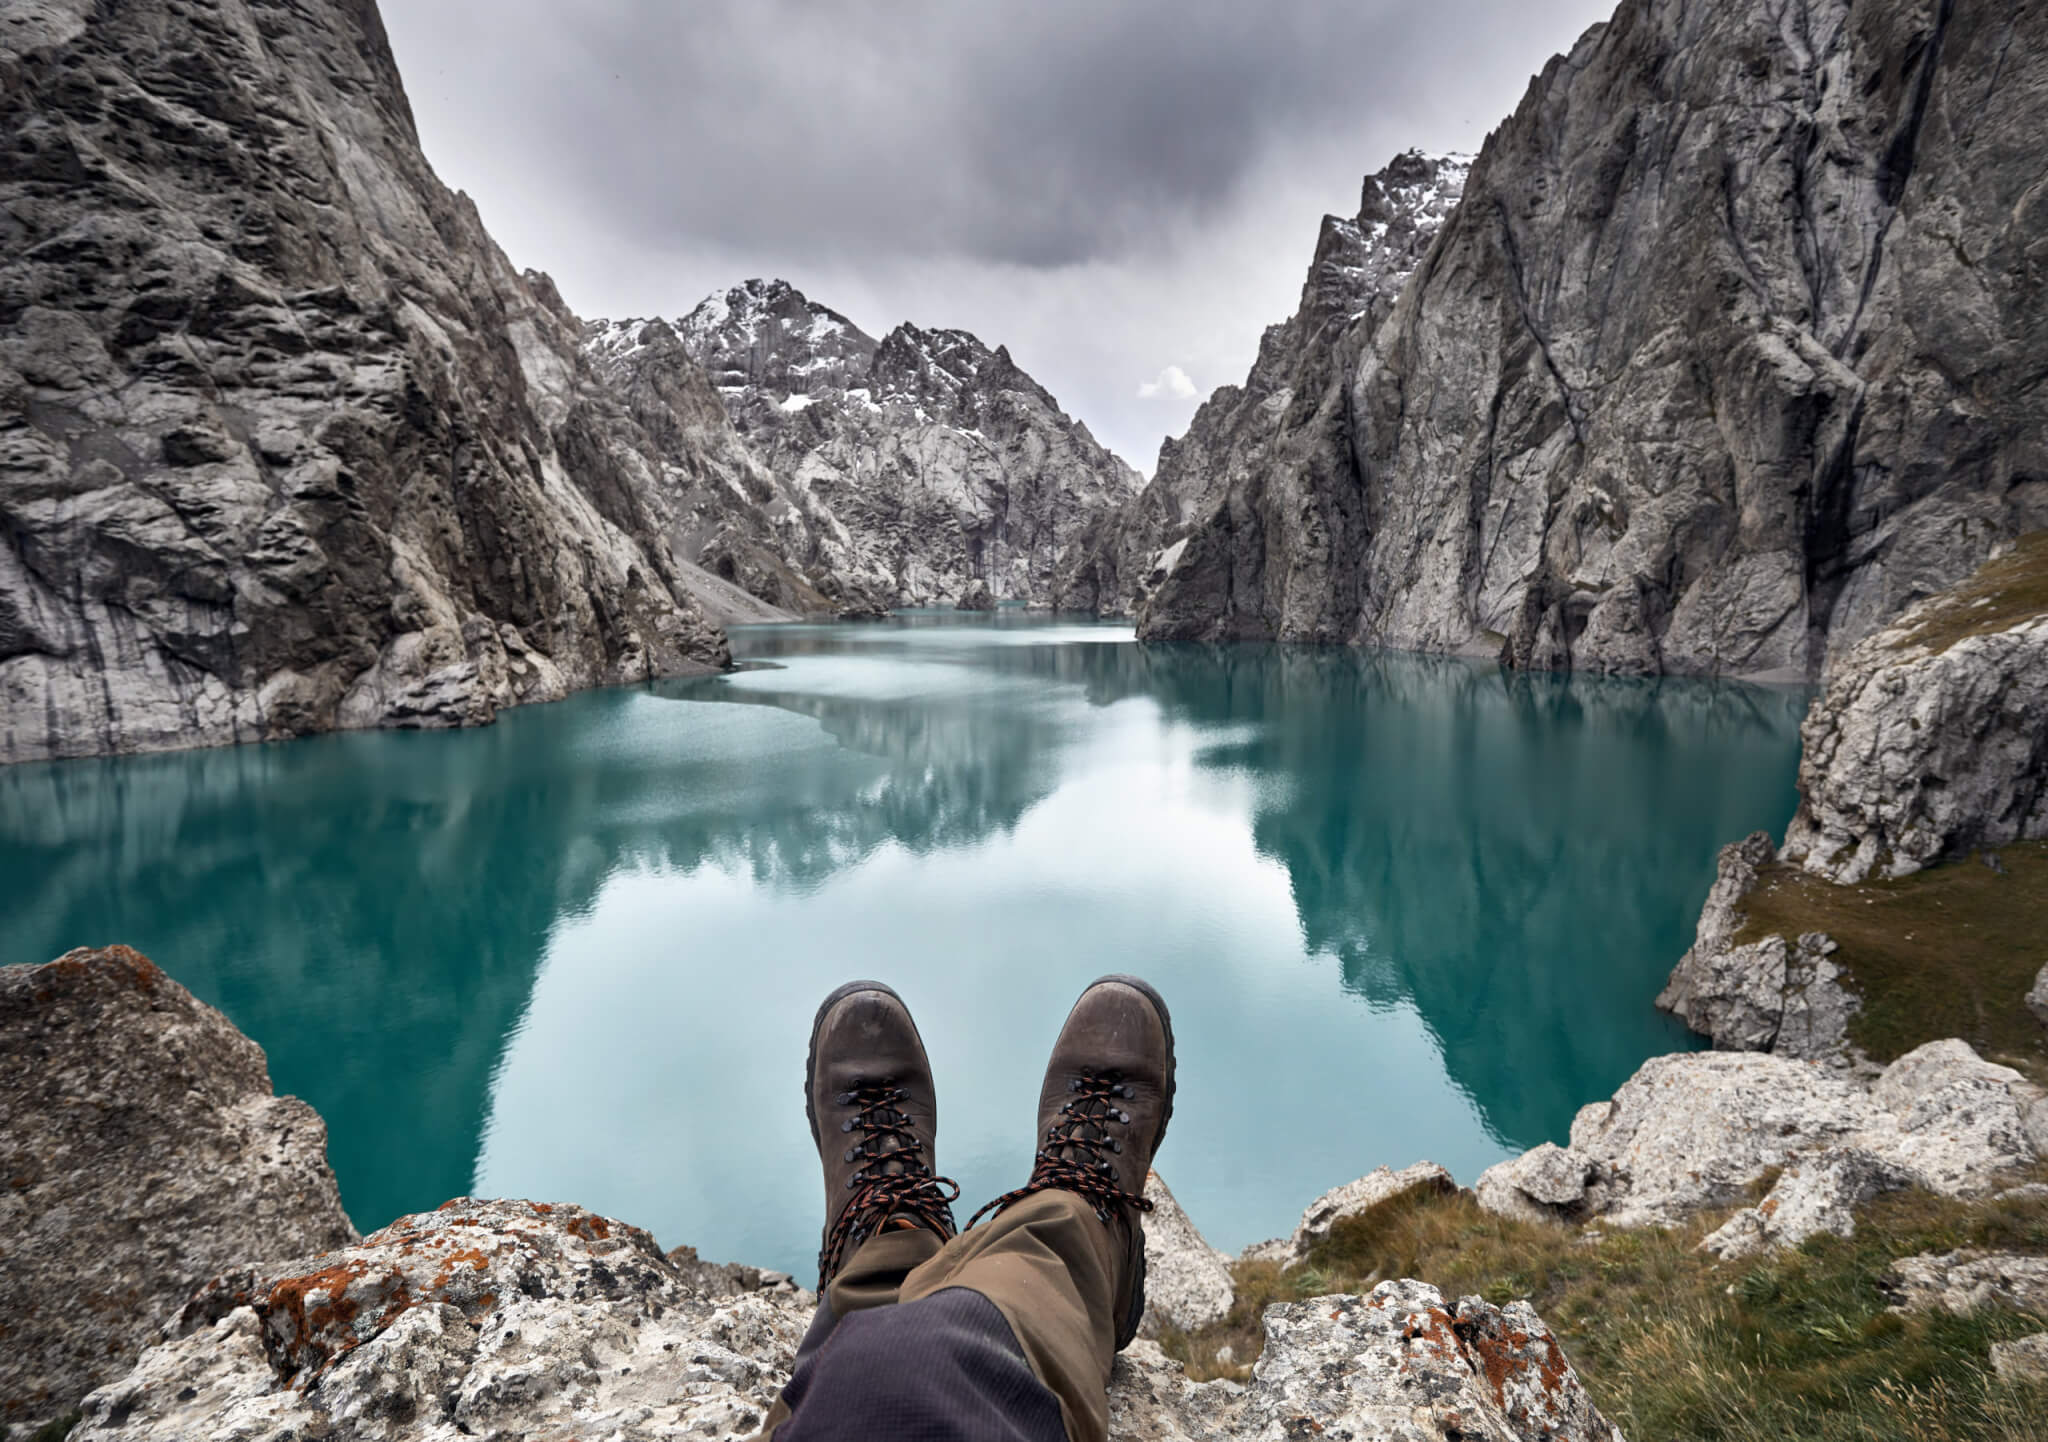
286	443
1924	748
144	1152
1726	356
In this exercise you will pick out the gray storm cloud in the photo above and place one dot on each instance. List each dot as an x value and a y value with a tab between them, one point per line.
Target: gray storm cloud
1109	188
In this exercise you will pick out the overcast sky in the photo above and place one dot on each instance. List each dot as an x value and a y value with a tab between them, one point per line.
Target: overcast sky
1124	192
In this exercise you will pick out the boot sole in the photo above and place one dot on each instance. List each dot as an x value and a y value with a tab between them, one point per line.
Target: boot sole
838	995
1145	989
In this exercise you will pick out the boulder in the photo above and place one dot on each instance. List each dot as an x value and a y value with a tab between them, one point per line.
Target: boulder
1694	1131
144	1152
483	1319
2037	998
1379	1185
1187	1281
1925	746
1817	1193
2024	1361
976	597
1966	1280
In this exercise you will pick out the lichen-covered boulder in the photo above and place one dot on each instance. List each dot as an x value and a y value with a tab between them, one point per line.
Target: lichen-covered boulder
143	1151
1400	1365
1187	1281
483	1319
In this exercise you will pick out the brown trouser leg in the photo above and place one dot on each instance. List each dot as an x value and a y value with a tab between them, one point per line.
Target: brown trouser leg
1049	1266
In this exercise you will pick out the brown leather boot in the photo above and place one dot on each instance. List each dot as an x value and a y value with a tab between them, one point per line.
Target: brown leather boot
874	1116
1102	1113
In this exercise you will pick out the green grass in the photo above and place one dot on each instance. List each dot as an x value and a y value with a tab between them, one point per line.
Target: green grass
1674	1344
1999	596
1949	951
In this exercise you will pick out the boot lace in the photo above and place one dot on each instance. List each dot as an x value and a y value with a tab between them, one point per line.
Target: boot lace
891	1182
1078	1145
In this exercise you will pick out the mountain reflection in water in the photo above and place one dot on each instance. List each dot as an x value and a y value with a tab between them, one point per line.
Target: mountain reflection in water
1402	907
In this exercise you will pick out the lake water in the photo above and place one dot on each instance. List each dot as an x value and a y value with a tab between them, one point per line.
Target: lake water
1401	908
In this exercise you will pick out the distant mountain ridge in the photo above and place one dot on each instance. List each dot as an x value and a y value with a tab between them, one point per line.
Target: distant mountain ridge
905	469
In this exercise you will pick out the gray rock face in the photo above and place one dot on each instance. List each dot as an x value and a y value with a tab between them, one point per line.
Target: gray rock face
286	443
1289	415
1187	1281
901	470
1724	358
1771	995
1693	1131
1379	1185
2037	999
144	1152
1921	749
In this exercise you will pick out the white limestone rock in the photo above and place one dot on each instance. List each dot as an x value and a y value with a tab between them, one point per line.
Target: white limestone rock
483	1319
1964	1281
1917	753
2023	1361
1693	1131
143	1152
1187	1281
2037	999
1814	1194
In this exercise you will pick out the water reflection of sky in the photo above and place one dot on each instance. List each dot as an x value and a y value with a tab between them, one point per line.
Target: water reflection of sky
1401	908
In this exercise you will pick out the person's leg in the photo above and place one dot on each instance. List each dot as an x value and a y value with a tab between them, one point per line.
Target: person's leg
1009	1331
1064	1258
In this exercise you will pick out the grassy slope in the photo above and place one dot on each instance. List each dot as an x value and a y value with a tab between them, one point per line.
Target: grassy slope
1674	1344
1949	951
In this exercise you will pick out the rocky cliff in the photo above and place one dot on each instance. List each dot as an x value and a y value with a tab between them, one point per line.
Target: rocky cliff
1287	424
1729	353
903	470
286	443
1929	742
144	1152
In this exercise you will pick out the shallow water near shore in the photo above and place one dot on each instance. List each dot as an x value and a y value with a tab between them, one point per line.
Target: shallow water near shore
1402	907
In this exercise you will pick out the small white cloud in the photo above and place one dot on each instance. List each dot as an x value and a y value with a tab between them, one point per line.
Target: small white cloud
1172	383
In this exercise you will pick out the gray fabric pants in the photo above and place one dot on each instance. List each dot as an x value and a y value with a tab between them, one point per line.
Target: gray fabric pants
1004	1334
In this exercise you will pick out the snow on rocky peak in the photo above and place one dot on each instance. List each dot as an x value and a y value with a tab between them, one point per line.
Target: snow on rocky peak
922	463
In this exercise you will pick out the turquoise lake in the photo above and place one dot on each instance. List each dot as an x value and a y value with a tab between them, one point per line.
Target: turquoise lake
1402	907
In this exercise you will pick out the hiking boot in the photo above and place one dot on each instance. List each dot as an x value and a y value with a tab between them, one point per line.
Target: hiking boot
1102	1113
874	1115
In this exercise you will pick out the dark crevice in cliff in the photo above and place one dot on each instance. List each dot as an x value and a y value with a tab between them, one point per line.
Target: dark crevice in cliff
1895	168
1518	284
